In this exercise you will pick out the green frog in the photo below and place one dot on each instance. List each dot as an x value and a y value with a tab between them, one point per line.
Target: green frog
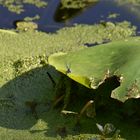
64	90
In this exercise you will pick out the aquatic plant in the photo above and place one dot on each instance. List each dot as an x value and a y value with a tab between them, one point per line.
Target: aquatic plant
91	67
17	6
132	2
26	91
76	4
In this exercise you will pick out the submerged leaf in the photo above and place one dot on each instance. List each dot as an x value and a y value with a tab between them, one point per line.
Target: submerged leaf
92	66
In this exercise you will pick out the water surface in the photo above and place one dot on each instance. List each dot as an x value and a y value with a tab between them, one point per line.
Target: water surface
51	16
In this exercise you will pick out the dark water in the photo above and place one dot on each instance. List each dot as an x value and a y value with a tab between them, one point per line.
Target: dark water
51	17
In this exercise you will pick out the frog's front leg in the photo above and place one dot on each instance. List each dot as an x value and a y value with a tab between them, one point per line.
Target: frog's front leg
59	91
68	86
63	91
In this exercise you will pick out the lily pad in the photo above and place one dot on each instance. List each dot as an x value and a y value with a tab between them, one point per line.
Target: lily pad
92	66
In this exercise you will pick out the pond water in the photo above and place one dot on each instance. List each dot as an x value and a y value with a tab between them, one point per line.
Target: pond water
52	17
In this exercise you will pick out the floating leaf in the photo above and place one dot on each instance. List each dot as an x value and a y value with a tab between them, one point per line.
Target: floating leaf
92	66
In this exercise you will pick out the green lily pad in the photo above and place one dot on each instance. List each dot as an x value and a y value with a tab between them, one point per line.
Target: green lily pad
92	66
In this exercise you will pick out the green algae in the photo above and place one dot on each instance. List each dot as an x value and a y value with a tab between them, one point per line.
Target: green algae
131	6
24	79
133	2
36	17
26	64
26	26
98	33
113	15
34	43
8	31
77	4
17	6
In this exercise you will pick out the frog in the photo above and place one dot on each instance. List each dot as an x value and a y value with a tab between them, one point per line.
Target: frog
94	101
26	26
63	91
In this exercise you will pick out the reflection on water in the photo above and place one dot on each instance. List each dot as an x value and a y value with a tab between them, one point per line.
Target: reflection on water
68	9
